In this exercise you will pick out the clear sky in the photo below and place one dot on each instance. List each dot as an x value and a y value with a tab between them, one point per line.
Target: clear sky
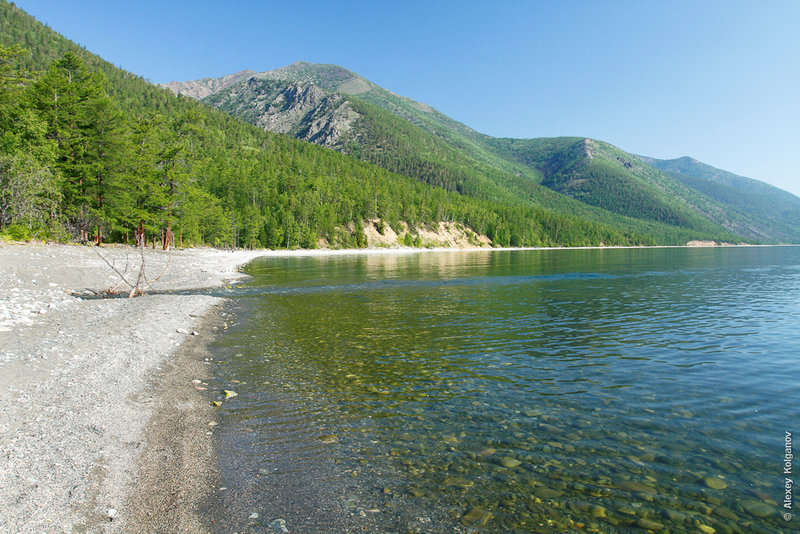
715	80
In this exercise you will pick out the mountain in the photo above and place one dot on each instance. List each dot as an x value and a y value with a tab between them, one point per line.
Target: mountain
90	151
136	156
336	108
201	88
764	210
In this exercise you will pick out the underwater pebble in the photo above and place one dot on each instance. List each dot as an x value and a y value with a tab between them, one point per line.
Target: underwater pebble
649	524
757	508
476	517
510	462
715	483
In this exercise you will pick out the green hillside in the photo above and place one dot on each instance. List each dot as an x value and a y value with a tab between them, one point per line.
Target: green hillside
761	210
570	176
91	152
602	175
412	139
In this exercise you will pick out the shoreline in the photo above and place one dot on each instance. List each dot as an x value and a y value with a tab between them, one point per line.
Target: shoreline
98	408
83	380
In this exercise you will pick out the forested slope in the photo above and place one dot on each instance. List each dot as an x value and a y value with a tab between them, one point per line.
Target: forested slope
289	100
761	210
89	151
334	107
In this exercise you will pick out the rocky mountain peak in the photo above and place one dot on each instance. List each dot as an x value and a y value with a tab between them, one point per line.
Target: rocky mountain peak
204	87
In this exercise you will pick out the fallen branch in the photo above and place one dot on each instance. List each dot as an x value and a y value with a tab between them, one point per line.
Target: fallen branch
136	287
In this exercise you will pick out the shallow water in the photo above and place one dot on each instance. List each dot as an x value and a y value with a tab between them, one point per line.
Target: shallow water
620	390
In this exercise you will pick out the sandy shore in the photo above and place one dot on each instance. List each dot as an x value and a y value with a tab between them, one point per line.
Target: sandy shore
83	383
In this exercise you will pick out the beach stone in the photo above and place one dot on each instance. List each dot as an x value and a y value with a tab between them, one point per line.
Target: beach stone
229	393
509	462
757	508
707	529
476	517
278	525
328	438
715	483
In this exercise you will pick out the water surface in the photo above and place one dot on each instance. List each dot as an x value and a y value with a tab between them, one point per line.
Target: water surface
619	390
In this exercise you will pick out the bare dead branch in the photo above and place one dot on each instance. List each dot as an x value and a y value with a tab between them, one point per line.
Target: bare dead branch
113	267
136	287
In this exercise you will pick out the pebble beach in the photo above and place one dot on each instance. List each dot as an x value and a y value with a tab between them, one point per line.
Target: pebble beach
103	426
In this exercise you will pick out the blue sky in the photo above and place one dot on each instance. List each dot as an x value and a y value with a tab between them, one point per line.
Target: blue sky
715	80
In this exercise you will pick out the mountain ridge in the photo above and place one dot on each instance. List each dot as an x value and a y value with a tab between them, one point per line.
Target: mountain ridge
445	152
159	165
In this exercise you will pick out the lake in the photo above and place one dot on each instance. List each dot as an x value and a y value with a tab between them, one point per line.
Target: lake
605	390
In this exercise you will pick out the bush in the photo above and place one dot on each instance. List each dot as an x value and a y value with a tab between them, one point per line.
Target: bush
17	232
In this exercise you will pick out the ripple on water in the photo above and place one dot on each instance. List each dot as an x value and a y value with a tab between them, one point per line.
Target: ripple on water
537	391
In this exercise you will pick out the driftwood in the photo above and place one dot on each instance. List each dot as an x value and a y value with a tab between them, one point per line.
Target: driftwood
137	286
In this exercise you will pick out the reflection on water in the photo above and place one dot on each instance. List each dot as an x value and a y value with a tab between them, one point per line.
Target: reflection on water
525	391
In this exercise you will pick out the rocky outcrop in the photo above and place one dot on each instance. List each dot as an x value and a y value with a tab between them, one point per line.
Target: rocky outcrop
286	111
302	110
198	89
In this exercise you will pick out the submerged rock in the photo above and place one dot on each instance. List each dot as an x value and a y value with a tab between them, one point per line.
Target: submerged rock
458	482
546	493
477	517
757	508
598	511
636	487
509	462
649	524
715	483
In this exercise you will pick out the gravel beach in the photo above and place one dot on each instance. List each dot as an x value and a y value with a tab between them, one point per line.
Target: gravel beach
101	406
